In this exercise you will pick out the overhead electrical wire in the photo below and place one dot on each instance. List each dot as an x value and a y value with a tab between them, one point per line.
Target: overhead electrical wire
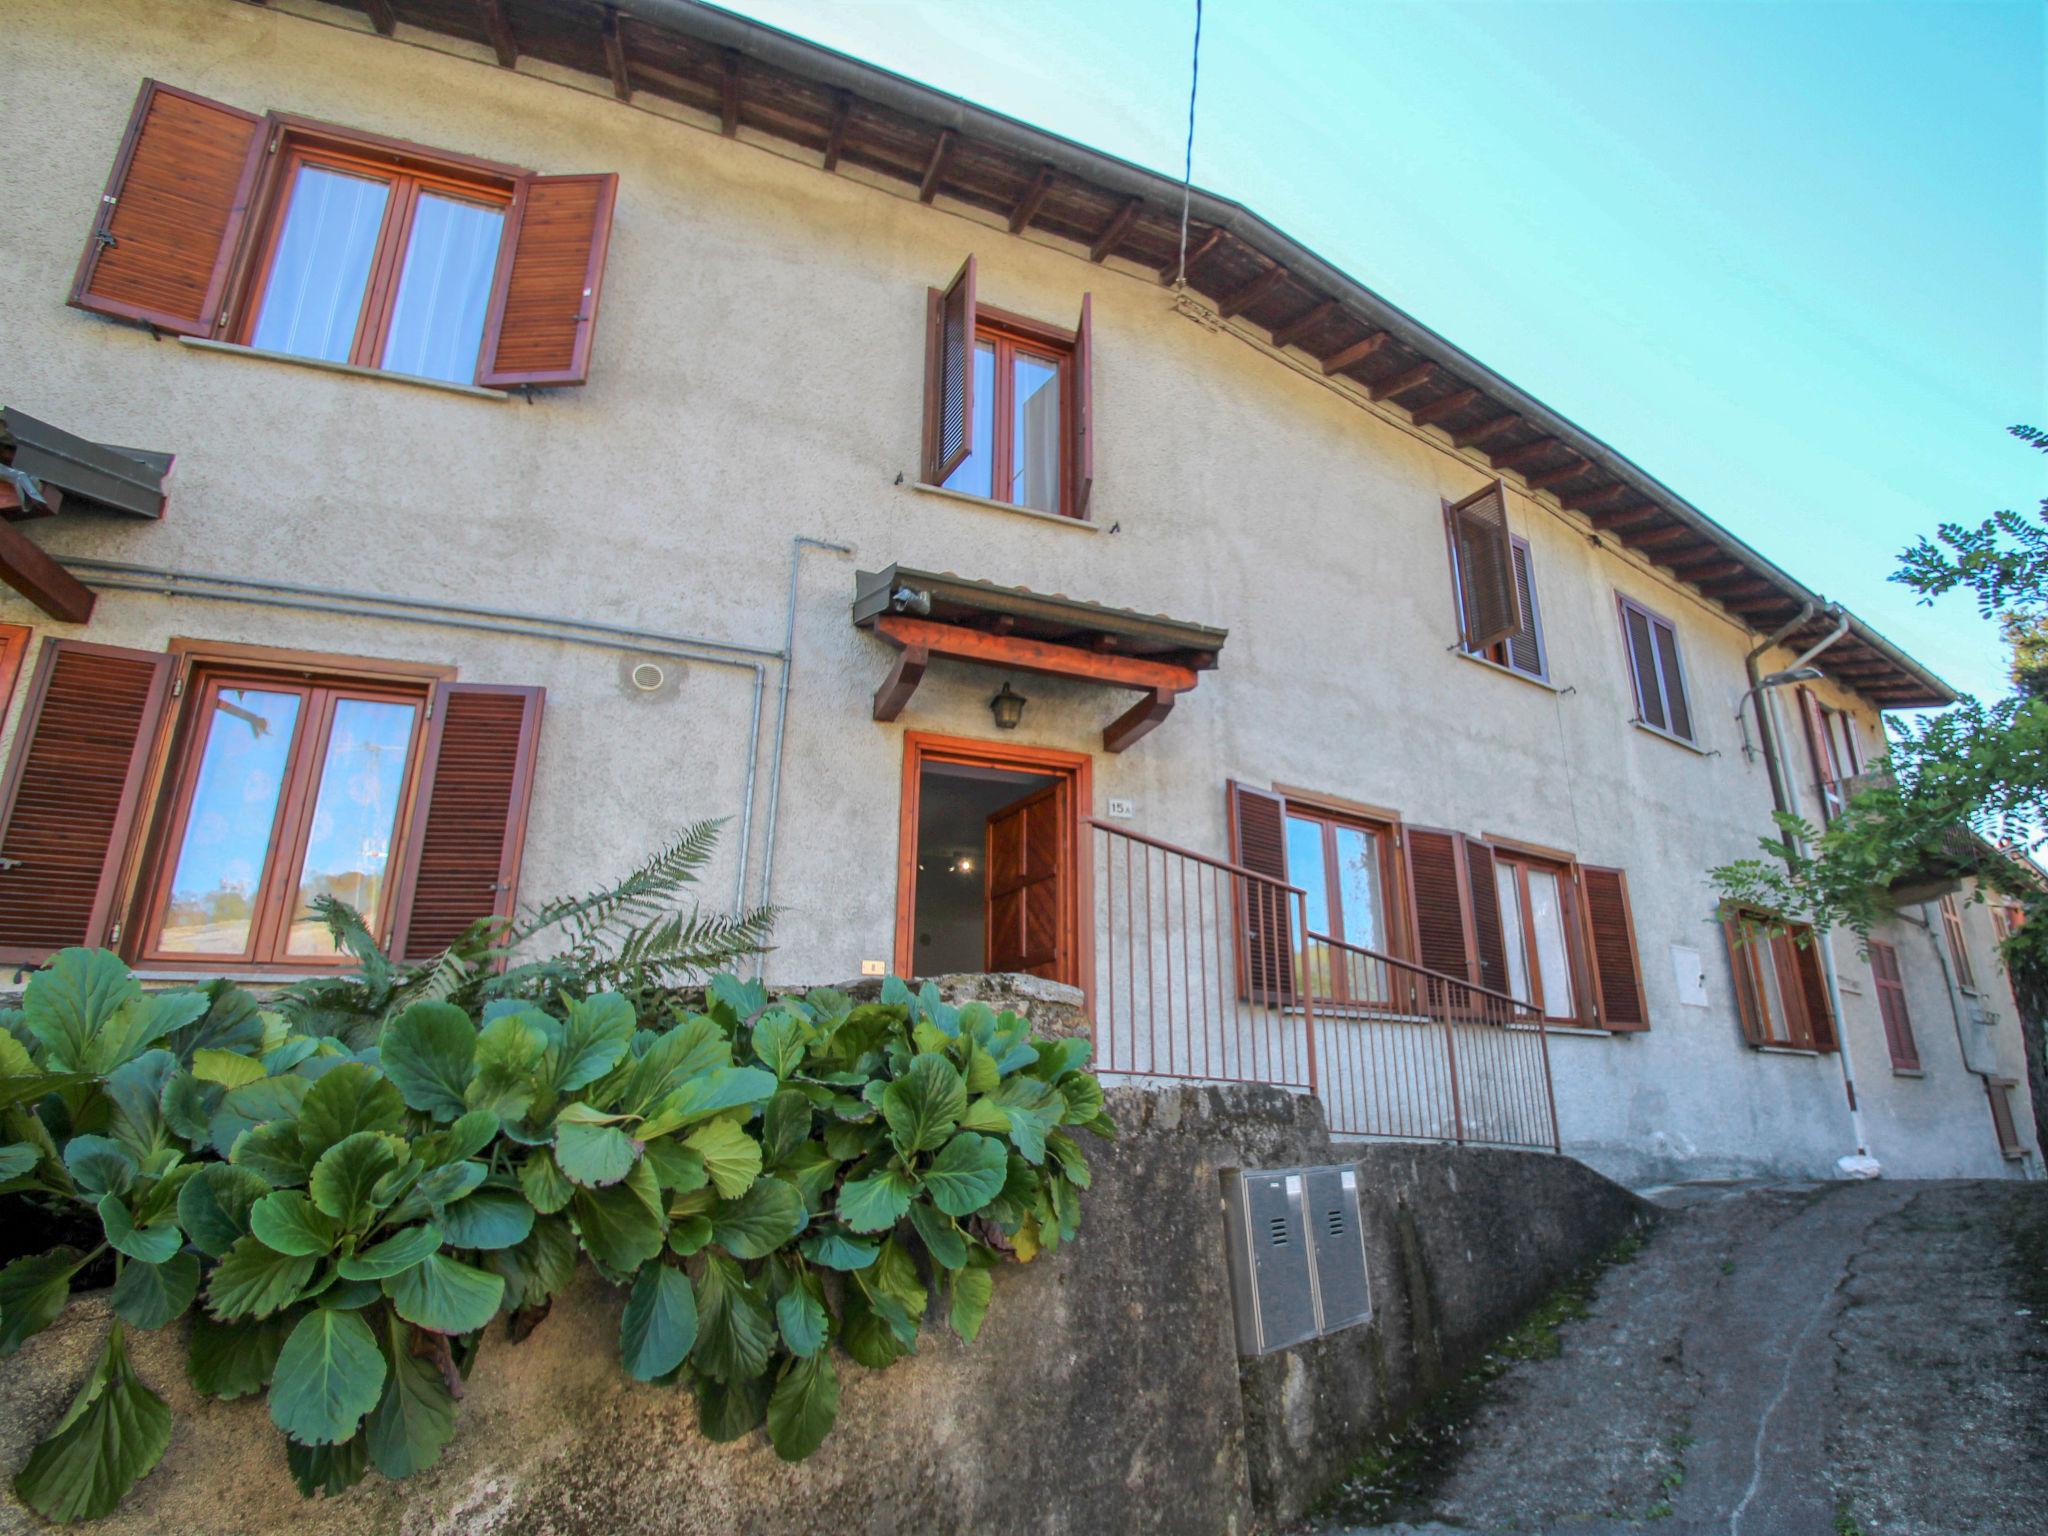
1187	178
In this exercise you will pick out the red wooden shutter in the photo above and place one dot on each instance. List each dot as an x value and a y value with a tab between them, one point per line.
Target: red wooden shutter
1999	1091
172	213
1958	947
1891	1007
1258	842
462	856
1084	406
1617	975
1440	901
1743	958
949	376
73	789
1525	645
1489	941
1812	989
544	297
1818	753
1488	606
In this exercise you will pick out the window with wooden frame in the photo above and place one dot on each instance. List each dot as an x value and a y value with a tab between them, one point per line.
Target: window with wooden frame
187	807
1491	582
1540	928
1655	671
1831	750
1781	997
1999	1091
1891	1007
1008	409
335	245
1958	943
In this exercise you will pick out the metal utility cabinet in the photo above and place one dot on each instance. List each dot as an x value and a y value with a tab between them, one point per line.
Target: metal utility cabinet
1297	1254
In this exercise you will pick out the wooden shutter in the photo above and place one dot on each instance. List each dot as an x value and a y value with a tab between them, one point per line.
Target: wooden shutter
949	376
1958	947
73	789
1258	842
1611	933
1819	753
172	214
1489	609
544	296
1891	1007
1084	406
1999	1091
469	830
1440	899
1642	663
1673	677
1489	941
1811	989
1525	645
1743	958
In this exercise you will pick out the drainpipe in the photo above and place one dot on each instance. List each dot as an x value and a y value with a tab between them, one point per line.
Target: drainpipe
1756	691
1948	979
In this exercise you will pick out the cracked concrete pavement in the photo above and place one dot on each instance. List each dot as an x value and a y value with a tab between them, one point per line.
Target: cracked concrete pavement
1840	1360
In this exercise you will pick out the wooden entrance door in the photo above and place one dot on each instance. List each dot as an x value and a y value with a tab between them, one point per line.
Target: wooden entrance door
1027	873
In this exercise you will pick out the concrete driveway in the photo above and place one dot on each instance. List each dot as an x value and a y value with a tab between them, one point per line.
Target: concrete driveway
1825	1360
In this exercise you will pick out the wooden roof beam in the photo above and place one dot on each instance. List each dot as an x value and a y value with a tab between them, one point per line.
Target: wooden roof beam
935	168
1305	322
381	16
1657	538
1472	437
729	95
1743	585
1113	232
1356	353
1400	384
1437	410
835	136
1034	197
1514	458
499	30
1238	300
615	56
1558	476
1599	496
1623	518
1196	252
1720	570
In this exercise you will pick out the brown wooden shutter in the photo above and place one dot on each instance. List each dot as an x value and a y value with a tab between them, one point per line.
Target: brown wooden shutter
1488	607
172	214
1489	941
462	855
1891	1007
1817	752
544	297
949	376
1675	705
1743	958
72	792
1811	990
1958	946
1611	930
1084	406
1440	900
1525	645
1258	842
1999	1091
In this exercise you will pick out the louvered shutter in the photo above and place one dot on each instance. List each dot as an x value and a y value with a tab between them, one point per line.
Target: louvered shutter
544	295
1258	842
1743	958
949	376
1525	645
1891	1007
73	789
172	214
1438	898
1958	946
1489	609
1673	678
1611	931
1812	991
1818	753
463	853
1642	660
1489	941
1084	406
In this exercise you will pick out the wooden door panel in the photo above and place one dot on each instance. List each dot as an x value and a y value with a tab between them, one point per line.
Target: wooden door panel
1027	878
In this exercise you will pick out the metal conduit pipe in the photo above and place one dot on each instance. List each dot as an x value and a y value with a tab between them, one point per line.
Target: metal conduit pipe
1949	980
1756	692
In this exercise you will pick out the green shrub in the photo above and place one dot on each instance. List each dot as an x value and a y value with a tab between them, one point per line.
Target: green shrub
343	1195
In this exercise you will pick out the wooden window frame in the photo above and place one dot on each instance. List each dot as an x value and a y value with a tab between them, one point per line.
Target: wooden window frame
1501	652
1751	1003
1329	815
1011	334
1900	1043
14	639
1998	1091
1521	859
1958	945
1624	606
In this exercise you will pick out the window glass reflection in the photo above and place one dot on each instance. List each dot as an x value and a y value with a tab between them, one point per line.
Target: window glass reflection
218	879
1511	931
348	851
1035	439
1553	964
437	325
976	473
314	298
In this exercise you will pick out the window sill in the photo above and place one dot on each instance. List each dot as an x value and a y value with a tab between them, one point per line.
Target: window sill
1079	525
1787	1050
1675	740
1521	677
1909	1071
203	344
241	975
1577	1031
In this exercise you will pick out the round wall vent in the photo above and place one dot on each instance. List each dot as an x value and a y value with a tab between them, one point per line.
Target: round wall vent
648	677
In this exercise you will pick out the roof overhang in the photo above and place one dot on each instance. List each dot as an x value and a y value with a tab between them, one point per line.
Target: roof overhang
45	470
740	73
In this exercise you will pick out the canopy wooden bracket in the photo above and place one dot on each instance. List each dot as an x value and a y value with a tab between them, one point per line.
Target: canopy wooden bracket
31	571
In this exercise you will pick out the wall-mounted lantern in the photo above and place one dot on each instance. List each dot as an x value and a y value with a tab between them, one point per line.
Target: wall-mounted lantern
1008	708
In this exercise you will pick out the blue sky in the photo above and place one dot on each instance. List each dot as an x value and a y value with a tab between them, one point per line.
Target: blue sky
1789	257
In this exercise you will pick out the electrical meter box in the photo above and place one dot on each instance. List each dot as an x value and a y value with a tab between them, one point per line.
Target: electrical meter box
1337	1247
1272	1278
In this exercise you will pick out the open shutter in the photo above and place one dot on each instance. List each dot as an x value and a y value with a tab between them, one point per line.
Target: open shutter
462	857
1891	1007
1258	842
1525	645
1812	990
73	789
1743	958
1817	752
1489	941
1673	678
172	213
1958	945
544	296
1440	901
1642	663
1084	406
1489	609
1611	930
949	376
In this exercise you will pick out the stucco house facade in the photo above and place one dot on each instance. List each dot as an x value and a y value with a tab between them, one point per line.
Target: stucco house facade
583	419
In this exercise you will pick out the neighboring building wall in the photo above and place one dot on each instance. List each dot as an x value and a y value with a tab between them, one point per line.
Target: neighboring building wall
758	376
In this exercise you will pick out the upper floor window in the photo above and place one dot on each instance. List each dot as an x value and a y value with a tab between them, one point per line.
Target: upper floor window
1780	995
1831	749
1493	583
1958	943
1007	409
1656	672
1521	649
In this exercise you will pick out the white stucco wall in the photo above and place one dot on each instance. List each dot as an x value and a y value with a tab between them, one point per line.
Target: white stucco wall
757	376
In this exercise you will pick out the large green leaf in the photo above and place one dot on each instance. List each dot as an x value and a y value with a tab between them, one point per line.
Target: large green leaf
967	1174
234	1359
99	1165
490	1218
726	1411
925	1103
871	1329
393	1256
539	1268
734	1331
444	1296
695	1045
621	1225
1083	1094
968	1306
469	1135
254	1281
785	1124
327	1469
731	1156
547	1191
805	1404
290	1223
760	1221
942	1239
415	1418
329	1374
832	1248
150	1295
429	1053
801	1317
272	1152
509	1051
659	1324
1028	1130
349	1099
115	1431
878	1202
345	1178
677	1168
214	1206
594	1040
152	1243
591	1148
812	1170
72	1005
231	1069
708	1094
136	1087
33	1291
779	1041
